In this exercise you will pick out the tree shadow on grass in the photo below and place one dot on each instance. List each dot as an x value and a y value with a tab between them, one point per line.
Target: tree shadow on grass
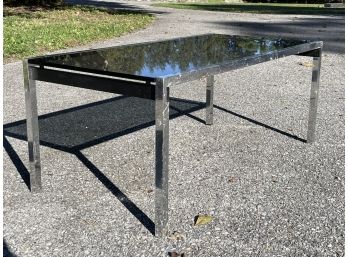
31	12
260	8
116	6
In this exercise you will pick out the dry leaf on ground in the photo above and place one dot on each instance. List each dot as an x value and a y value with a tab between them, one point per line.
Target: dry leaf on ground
306	64
202	219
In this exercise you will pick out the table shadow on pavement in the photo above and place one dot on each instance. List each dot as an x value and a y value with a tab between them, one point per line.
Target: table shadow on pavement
6	251
74	129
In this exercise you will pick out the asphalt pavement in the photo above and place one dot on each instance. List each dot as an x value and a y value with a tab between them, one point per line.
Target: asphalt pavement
269	192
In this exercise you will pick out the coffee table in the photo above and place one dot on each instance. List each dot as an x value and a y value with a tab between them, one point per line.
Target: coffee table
148	70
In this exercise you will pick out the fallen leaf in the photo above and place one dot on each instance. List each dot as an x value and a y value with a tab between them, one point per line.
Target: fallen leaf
306	64
202	219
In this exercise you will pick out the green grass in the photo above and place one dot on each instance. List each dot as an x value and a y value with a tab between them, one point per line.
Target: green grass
314	9
33	31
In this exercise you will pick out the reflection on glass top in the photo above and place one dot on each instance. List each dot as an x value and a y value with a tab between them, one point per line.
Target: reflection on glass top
170	57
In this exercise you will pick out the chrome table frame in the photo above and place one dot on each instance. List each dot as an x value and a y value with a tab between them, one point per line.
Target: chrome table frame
157	89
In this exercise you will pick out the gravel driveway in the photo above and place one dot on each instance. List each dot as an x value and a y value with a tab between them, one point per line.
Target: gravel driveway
270	194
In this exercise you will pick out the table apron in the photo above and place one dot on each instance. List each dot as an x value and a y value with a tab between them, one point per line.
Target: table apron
105	84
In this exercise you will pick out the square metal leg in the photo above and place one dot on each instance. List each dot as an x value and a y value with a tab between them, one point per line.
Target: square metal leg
162	158
313	104
209	115
32	130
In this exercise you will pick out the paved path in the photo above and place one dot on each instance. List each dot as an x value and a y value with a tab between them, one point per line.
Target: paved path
173	22
270	194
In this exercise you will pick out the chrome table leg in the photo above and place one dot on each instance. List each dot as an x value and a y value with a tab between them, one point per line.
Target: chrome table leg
209	115
32	129
313	104
162	156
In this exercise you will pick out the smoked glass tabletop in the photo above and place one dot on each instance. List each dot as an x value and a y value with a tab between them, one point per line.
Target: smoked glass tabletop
169	57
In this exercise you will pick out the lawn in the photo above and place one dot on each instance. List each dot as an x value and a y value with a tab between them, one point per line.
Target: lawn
32	31
216	5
